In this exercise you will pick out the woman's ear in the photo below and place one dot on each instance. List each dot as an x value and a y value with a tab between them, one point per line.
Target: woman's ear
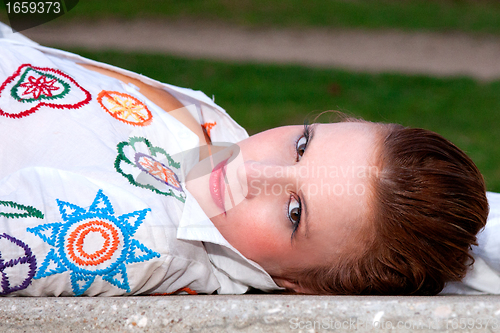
292	285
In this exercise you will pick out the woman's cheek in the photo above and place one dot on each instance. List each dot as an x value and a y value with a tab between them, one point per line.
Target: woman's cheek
256	229
261	244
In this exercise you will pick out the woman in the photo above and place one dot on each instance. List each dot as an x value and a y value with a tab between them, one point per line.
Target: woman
117	196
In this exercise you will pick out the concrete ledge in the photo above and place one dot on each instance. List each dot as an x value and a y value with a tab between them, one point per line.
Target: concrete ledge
251	313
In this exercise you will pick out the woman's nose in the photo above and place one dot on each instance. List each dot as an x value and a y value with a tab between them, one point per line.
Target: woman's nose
261	178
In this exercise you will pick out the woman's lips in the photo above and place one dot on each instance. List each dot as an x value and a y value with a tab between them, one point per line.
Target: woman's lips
218	185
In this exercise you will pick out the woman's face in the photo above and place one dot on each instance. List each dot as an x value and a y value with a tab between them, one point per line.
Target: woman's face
292	198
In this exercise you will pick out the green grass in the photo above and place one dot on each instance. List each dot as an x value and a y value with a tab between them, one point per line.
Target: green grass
436	15
264	96
479	16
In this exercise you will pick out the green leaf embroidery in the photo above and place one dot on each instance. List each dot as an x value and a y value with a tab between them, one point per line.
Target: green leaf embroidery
23	211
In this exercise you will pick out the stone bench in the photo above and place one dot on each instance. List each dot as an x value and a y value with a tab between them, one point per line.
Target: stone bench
251	313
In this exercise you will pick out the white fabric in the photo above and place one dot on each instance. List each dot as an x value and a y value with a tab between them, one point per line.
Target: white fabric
92	199
484	275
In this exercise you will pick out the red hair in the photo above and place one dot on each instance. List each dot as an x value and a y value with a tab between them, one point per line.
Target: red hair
428	201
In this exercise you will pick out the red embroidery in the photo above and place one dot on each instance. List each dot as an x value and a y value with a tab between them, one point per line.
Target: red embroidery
41	89
208	127
125	108
186	289
39	86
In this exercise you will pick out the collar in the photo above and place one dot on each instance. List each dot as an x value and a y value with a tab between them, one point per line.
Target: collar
195	225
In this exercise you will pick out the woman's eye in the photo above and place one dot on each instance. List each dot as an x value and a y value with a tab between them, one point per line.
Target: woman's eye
294	211
301	147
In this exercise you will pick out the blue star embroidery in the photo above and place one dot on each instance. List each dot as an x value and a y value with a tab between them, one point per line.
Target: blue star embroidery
92	243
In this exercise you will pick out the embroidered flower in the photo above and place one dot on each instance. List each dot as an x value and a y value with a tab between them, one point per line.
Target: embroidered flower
30	88
125	108
92	242
149	167
39	86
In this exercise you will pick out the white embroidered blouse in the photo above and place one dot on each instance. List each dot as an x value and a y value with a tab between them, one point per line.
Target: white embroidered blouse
92	195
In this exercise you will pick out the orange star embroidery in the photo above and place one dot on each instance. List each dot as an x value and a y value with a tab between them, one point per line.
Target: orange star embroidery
125	108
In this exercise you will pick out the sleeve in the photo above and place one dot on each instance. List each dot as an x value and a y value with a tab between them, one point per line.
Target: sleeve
89	198
97	241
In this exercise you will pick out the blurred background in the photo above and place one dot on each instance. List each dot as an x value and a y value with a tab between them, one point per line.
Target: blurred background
422	63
